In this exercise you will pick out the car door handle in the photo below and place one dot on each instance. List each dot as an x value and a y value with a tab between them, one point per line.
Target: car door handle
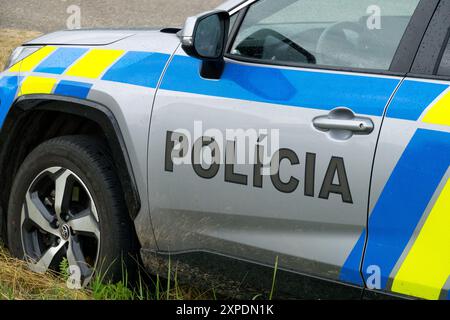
356	125
341	124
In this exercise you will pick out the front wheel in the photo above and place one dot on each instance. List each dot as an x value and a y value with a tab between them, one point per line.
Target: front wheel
67	202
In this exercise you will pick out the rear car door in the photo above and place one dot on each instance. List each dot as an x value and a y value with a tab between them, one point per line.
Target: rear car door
313	78
409	225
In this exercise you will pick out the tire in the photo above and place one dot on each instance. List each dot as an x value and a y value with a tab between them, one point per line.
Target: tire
67	202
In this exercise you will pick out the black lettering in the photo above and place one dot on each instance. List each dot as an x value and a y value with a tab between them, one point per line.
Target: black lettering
230	162
171	137
310	172
336	166
279	156
257	176
206	173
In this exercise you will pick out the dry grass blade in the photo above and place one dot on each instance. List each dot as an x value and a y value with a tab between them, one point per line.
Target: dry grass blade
19	283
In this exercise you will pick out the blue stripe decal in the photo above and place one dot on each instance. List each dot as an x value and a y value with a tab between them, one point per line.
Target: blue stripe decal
60	60
73	89
404	200
314	90
350	272
413	98
8	90
138	68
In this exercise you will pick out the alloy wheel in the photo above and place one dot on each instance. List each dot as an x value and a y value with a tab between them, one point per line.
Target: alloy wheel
59	220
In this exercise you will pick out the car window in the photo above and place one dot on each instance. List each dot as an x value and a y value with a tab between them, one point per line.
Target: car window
345	33
444	67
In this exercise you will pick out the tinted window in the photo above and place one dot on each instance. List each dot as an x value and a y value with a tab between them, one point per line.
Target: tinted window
444	68
345	33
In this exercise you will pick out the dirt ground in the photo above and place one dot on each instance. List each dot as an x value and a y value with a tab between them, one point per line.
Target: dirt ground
51	15
43	16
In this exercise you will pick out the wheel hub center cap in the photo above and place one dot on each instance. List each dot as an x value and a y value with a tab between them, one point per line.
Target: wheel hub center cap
65	231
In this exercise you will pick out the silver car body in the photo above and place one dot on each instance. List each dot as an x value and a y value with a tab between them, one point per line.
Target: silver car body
180	212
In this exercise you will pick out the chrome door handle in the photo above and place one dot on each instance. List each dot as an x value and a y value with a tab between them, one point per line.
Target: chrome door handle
356	125
342	124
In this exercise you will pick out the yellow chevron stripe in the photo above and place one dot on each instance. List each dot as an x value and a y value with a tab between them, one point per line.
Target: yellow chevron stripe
37	85
94	63
440	112
29	63
427	267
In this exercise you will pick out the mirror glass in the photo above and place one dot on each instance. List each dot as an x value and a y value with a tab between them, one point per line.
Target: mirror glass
209	37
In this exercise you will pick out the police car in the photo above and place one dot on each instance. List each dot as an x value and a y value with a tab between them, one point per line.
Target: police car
117	143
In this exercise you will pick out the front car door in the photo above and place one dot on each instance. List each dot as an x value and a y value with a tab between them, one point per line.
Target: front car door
409	225
306	83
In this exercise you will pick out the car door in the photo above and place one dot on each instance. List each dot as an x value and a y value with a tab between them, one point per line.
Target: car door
409	239
305	84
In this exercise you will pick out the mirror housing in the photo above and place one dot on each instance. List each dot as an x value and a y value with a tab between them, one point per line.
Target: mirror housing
205	37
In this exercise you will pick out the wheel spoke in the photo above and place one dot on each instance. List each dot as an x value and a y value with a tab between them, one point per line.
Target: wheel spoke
85	222
75	258
63	194
42	265
39	214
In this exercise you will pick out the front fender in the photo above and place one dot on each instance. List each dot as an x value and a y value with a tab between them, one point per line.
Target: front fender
122	76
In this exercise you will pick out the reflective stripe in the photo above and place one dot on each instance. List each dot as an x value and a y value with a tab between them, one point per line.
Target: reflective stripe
413	98
8	89
73	89
30	62
297	88
60	60
440	112
138	68
94	63
404	199
350	271
427	267
37	85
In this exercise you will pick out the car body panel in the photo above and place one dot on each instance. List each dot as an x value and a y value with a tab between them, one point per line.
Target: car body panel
397	222
258	224
407	239
82	37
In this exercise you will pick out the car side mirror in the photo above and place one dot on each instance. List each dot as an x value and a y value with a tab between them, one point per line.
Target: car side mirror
205	37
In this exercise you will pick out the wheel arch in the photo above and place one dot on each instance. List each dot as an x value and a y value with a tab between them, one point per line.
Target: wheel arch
95	117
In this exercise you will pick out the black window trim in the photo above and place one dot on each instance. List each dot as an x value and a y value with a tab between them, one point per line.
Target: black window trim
435	41
235	28
444	48
401	63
